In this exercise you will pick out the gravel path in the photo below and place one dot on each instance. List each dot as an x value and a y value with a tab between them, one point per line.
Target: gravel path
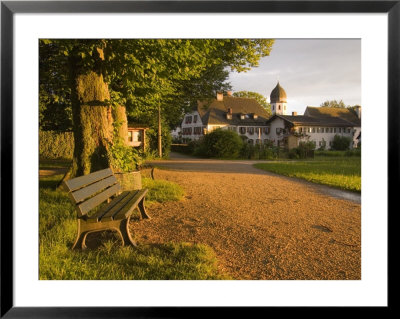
261	225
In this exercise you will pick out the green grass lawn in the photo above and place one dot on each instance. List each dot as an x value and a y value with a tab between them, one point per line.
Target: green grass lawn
342	172
110	261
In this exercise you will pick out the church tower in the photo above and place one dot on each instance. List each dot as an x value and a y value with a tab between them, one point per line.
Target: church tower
278	101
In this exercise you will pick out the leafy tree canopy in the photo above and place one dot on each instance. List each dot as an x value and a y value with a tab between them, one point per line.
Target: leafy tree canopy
141	73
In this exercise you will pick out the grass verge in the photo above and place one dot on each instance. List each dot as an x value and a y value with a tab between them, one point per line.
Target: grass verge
341	172
110	261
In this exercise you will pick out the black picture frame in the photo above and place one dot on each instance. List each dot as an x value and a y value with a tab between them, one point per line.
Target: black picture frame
9	8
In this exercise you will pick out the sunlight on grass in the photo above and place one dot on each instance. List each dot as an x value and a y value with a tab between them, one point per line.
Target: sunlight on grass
110	261
344	172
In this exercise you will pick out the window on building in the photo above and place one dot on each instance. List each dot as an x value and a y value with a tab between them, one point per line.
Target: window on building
197	130
334	130
137	136
322	130
266	130
348	130
273	107
188	119
279	107
250	141
242	130
250	130
317	129
195	119
313	130
130	136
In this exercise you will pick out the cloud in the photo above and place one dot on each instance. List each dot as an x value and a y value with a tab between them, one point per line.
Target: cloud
311	71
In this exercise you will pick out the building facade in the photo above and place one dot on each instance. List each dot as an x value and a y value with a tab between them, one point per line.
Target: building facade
251	121
242	115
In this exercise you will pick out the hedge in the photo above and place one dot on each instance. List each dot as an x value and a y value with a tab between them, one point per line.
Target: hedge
56	145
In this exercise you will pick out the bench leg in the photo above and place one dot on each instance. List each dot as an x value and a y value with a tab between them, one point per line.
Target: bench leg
125	234
142	210
80	238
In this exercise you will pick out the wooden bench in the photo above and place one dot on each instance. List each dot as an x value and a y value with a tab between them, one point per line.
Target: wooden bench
89	191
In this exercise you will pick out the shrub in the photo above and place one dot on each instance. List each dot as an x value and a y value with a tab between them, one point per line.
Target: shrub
304	150
221	143
56	145
258	151
341	143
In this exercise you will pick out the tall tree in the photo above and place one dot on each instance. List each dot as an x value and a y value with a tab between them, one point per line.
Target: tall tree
97	78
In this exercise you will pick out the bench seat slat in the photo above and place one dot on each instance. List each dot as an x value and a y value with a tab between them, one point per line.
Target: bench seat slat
112	212
92	189
98	215
126	211
81	181
93	202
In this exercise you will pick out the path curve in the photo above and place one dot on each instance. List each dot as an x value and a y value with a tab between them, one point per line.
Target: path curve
261	225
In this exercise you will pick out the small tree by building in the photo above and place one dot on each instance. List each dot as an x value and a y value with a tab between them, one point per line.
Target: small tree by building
341	143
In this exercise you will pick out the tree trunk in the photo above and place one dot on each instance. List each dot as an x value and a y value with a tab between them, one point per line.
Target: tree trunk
92	117
93	129
119	115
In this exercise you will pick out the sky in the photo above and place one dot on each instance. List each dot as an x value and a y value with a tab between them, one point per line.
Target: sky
311	71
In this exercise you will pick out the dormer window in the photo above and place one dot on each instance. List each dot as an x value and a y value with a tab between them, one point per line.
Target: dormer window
229	116
255	116
242	116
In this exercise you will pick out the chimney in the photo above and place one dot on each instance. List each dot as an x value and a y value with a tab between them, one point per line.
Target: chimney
229	110
294	113
220	96
229	93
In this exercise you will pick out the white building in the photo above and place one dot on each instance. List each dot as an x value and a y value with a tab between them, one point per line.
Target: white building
251	121
318	124
242	115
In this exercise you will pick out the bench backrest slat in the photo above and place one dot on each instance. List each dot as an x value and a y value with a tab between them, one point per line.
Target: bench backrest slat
88	191
79	182
93	202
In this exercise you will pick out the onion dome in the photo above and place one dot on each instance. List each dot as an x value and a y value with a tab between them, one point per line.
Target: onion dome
278	94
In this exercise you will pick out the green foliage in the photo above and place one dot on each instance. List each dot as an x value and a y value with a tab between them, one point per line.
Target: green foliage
341	143
222	144
258	151
124	158
56	145
142	72
342	172
257	96
304	150
110	261
334	103
166	139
